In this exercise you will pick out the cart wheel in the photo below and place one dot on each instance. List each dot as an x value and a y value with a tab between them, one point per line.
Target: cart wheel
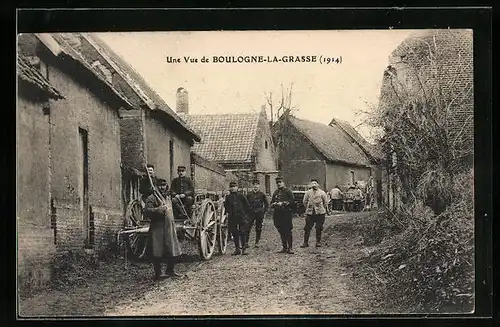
136	246
223	234
207	230
133	214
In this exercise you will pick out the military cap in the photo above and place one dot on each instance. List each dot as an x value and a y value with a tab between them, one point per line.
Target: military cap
181	168
255	182
233	184
279	179
150	166
162	182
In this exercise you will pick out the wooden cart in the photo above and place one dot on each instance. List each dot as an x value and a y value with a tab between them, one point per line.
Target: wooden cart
208	227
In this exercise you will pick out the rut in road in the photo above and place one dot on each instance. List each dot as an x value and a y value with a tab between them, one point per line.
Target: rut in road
263	282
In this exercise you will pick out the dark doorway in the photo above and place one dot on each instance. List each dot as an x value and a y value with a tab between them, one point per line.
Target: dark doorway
88	227
171	153
267	182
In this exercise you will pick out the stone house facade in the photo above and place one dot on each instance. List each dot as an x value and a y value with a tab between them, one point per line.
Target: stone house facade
68	154
150	131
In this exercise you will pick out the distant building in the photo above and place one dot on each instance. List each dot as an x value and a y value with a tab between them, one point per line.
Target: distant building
241	143
68	157
328	153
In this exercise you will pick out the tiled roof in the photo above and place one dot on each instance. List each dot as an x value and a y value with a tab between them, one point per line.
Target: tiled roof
331	141
370	149
30	74
226	138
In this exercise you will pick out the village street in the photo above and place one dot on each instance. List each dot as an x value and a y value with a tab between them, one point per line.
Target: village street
311	281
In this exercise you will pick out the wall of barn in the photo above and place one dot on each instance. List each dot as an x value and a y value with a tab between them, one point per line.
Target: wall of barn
342	174
83	109
35	237
158	135
298	160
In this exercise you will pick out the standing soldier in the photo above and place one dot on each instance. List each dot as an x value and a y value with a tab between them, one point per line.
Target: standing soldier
238	210
145	185
283	204
315	201
358	197
182	191
336	195
162	239
258	206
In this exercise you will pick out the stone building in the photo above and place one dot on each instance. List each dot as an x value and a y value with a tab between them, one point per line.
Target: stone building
68	157
150	131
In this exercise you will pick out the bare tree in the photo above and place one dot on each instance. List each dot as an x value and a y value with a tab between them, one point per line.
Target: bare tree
282	104
280	107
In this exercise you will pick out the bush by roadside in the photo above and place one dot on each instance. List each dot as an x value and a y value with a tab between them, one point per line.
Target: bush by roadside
421	262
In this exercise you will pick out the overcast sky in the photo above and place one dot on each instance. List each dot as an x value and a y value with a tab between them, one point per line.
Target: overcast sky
320	91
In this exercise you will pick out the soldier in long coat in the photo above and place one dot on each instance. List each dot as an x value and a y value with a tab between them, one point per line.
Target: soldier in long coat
284	205
162	243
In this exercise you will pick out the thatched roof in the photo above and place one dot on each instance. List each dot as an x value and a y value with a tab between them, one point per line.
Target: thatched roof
332	142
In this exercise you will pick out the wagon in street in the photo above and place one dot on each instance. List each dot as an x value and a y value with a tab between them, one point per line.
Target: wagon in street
208	227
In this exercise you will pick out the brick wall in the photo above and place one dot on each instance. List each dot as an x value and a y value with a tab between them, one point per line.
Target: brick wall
439	62
132	140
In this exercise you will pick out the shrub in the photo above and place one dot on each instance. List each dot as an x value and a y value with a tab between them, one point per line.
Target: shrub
429	266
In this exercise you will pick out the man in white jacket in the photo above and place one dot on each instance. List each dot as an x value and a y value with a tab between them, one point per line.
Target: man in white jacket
316	203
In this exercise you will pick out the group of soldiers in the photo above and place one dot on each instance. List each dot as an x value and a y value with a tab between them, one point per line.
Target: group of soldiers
243	213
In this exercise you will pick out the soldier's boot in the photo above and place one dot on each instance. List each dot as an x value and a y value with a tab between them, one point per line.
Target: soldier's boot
244	242
318	238
157	271
283	243
306	239
257	238
289	241
236	239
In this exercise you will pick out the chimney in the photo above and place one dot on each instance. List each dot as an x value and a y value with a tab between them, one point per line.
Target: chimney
182	101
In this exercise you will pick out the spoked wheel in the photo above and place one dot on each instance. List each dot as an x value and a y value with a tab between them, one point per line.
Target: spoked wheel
133	214
223	230
207	230
136	246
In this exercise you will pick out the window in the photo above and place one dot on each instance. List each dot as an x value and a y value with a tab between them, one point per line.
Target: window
268	184
352	176
265	144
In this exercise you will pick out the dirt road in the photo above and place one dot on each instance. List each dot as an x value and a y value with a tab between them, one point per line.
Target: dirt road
311	281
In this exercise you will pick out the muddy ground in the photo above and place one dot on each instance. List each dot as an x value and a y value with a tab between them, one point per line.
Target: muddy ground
311	281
